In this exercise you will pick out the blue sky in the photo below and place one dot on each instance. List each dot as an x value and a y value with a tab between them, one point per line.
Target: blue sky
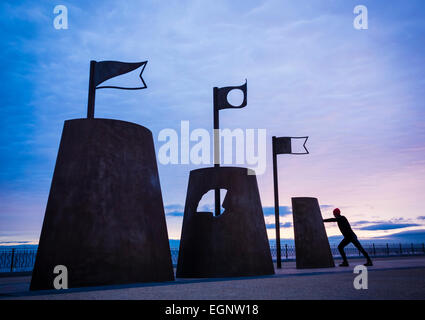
358	94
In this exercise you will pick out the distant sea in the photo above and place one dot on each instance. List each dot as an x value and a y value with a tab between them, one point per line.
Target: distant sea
406	238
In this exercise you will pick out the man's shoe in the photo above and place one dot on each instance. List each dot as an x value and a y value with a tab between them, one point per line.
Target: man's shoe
344	264
368	264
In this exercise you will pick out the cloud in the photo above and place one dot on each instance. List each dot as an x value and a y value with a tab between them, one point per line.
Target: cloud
394	223
175	213
411	236
406	236
389	226
421	218
326	206
206	208
361	222
282	225
170	207
283	211
21	242
174	210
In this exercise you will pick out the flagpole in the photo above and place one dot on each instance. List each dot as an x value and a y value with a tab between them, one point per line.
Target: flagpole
92	91
276	205
216	149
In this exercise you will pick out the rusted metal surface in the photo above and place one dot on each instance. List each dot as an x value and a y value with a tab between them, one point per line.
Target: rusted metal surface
104	218
232	244
311	241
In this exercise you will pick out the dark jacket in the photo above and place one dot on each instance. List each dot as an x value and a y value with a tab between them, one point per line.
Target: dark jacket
344	226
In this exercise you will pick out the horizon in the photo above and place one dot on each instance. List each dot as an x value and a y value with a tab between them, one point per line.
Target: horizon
404	238
357	94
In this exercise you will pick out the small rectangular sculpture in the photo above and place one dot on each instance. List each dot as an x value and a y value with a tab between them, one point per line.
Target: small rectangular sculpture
311	241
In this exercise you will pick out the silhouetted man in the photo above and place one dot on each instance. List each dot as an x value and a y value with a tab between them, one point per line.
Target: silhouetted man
349	236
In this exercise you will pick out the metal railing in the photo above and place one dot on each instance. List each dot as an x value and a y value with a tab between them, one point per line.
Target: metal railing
17	260
22	260
374	250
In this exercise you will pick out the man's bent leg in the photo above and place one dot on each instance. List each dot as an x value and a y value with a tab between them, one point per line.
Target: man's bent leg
341	247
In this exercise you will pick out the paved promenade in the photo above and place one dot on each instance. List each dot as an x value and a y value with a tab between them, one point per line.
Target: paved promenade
389	278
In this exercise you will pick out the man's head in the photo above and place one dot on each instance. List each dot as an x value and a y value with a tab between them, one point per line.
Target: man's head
337	212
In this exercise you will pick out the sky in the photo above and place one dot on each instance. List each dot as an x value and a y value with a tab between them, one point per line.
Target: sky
357	94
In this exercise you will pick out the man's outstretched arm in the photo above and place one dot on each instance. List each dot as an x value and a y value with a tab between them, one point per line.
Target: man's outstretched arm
330	220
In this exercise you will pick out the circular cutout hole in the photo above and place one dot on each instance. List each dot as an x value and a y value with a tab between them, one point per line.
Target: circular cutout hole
235	97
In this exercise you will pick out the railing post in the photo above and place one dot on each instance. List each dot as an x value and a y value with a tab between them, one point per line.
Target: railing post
401	250
423	247
11	260
286	250
374	250
413	249
388	250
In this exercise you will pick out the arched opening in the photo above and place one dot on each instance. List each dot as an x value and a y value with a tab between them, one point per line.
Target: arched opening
206	204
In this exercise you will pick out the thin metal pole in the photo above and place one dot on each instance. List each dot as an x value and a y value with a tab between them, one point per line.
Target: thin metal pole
276	205
12	259
92	91
388	250
216	148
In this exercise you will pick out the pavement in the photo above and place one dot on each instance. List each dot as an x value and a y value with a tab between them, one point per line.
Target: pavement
389	278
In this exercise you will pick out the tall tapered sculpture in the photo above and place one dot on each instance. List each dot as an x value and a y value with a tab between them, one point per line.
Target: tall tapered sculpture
104	219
